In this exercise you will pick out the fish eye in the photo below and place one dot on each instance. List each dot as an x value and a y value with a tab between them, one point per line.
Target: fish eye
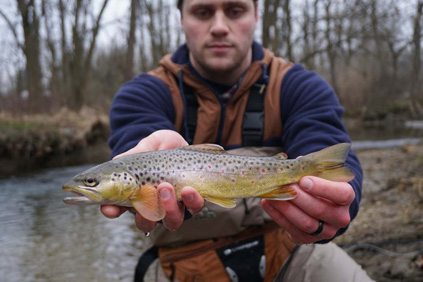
91	181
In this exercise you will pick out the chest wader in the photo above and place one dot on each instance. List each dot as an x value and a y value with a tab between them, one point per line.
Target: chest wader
258	252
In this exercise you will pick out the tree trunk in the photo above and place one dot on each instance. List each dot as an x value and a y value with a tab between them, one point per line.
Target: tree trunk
65	55
416	62
129	68
330	51
287	28
82	59
31	26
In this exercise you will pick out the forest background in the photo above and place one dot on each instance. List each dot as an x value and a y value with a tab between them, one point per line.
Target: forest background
65	59
62	61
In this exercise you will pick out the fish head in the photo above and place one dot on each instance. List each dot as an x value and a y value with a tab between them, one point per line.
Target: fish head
108	183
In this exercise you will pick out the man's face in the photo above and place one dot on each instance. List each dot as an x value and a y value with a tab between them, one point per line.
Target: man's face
219	33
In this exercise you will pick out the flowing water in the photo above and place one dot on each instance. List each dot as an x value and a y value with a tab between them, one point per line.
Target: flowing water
42	239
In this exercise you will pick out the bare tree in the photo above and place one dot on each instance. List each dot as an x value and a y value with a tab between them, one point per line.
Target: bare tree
81	56
330	45
129	70
270	32
417	38
287	29
30	21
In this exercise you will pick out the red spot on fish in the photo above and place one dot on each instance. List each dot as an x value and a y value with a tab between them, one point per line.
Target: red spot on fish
263	170
162	178
223	171
281	169
209	166
233	180
193	169
252	181
243	172
303	168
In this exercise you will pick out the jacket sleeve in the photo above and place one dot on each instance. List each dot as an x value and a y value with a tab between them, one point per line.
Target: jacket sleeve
140	107
312	120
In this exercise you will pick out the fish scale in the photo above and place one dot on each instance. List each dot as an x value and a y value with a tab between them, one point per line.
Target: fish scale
219	177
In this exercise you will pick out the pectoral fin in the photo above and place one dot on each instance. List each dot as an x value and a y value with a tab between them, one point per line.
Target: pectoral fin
223	202
147	202
285	192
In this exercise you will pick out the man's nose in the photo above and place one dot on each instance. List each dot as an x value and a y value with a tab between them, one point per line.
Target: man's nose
219	24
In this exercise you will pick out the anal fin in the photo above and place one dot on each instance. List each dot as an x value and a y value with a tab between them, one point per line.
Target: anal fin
223	202
147	202
284	192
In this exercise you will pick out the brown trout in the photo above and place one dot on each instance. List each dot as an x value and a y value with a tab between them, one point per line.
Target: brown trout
219	177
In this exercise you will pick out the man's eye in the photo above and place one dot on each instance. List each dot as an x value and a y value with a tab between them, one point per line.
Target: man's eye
235	12
203	13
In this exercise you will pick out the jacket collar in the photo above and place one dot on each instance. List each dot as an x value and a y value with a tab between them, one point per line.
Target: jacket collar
178	65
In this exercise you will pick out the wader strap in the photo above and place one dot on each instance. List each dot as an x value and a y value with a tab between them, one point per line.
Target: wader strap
252	125
253	122
284	268
144	263
192	108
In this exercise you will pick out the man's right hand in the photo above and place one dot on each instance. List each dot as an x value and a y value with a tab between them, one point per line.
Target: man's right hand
175	210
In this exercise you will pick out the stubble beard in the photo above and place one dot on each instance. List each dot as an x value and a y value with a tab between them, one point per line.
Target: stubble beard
217	71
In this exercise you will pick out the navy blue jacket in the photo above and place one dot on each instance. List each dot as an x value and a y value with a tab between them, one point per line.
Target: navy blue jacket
310	113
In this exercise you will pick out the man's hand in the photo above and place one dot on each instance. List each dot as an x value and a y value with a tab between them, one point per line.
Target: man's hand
317	199
162	140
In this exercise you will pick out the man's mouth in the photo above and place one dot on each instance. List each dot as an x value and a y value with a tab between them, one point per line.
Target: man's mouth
219	47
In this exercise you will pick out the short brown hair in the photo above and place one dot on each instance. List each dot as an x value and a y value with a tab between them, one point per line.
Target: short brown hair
180	2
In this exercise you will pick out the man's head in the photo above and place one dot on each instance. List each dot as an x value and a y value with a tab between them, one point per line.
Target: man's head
219	35
180	2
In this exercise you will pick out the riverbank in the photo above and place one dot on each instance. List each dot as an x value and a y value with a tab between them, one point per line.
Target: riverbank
30	142
391	208
390	217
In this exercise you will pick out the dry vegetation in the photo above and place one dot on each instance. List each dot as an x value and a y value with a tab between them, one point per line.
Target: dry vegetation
391	214
28	141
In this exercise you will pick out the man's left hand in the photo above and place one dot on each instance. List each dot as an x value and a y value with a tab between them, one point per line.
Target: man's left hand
317	199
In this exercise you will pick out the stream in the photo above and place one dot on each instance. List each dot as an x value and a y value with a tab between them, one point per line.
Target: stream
43	239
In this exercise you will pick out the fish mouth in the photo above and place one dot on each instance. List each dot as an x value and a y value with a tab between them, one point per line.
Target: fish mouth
84	196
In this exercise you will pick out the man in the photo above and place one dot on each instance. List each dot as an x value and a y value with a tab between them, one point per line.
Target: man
220	66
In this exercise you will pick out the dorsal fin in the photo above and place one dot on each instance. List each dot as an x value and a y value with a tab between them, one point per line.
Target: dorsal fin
281	156
205	147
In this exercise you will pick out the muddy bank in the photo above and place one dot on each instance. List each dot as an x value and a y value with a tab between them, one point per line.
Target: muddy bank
391	215
40	141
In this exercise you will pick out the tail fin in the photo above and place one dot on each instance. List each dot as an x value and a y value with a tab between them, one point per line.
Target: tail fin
330	163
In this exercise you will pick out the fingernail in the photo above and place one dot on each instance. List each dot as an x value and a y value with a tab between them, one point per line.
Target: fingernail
164	194
189	198
306	183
